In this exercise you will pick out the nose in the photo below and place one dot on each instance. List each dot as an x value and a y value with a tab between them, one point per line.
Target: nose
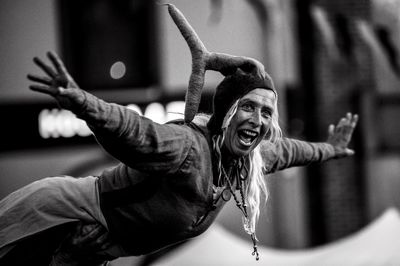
255	118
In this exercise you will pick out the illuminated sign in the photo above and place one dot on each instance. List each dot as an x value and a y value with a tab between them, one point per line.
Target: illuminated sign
43	125
56	123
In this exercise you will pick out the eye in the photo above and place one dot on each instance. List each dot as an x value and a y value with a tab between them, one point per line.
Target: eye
266	113
247	107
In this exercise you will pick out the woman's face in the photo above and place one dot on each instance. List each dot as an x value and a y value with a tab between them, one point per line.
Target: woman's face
251	122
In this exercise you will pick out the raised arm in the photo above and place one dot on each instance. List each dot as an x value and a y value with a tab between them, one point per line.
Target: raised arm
129	137
290	152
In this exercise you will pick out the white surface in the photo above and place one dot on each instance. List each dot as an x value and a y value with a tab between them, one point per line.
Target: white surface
377	244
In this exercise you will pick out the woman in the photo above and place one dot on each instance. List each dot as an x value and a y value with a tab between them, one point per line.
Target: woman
174	178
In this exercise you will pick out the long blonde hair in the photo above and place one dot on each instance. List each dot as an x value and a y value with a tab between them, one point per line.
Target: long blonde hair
256	189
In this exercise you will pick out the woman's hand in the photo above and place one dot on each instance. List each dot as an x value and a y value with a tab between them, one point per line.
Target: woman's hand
339	136
82	246
57	82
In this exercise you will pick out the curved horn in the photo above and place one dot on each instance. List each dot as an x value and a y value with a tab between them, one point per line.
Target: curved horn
199	52
227	64
203	60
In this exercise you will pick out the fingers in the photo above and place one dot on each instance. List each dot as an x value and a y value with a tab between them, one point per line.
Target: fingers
348	122
95	236
103	242
93	232
342	122
47	89
43	80
87	228
90	237
351	122
47	69
351	119
349	152
354	120
57	62
331	130
57	76
340	153
42	89
340	135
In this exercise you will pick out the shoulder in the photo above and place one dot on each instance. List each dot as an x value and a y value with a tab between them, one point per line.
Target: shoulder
199	153
269	153
198	125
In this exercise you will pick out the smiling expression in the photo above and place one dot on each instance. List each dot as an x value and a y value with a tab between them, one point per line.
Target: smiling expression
251	122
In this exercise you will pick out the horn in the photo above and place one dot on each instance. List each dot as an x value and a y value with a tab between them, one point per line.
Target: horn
227	64
203	60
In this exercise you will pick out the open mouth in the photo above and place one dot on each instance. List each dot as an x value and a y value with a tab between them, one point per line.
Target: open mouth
247	137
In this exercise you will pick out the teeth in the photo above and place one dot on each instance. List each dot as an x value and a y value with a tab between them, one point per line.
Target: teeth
250	133
246	142
247	137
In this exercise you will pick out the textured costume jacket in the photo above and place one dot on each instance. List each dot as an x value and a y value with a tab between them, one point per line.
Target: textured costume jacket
162	192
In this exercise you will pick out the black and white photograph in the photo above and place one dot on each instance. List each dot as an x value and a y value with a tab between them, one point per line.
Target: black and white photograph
214	132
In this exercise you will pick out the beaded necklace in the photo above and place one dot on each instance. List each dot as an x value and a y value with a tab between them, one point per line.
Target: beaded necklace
241	204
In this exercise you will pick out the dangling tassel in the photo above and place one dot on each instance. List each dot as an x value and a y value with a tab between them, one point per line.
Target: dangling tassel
247	229
255	251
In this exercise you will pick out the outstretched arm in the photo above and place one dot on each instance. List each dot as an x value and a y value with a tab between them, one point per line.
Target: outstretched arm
290	152
132	139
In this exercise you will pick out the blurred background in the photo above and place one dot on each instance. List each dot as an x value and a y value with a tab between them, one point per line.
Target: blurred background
326	58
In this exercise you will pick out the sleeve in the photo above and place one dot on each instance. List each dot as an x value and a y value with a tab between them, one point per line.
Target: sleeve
290	152
134	140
